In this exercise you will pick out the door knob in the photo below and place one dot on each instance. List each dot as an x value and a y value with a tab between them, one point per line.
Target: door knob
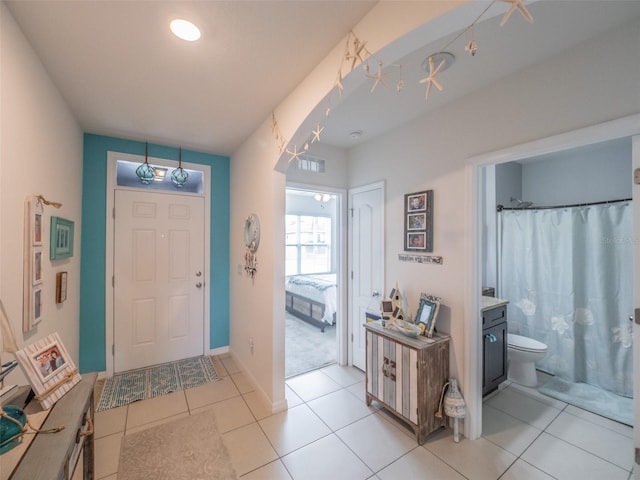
198	274
375	293
199	284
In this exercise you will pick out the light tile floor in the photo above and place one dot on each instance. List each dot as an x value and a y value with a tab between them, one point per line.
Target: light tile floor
329	433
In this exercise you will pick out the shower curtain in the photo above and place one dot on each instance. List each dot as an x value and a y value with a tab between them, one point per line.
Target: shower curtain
567	273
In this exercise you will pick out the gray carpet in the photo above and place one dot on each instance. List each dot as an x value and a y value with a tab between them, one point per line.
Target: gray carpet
185	449
593	399
306	347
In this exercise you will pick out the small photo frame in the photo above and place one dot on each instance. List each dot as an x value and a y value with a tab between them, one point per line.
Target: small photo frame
36	229
36	306
62	232
36	267
416	202
418	221
61	287
427	314
49	368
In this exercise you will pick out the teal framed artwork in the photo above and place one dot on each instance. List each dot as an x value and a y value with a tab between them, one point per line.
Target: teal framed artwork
61	238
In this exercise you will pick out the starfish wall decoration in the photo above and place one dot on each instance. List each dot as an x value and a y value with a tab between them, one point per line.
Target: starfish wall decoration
431	78
295	155
356	53
316	133
516	5
379	79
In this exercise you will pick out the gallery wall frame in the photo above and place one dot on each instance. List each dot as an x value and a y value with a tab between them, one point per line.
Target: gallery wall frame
33	258
418	221
62	233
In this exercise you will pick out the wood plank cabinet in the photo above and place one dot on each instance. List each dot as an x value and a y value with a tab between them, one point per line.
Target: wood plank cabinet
406	376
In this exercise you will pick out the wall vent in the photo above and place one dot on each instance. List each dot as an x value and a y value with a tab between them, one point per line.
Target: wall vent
310	164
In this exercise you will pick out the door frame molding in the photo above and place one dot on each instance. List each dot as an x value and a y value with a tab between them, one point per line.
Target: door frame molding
380	185
472	385
341	261
112	159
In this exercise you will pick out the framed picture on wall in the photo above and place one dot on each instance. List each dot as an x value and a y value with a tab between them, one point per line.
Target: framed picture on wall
36	229
36	267
61	287
36	306
418	221
61	238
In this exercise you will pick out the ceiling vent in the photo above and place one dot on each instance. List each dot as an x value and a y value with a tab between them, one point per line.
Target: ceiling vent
310	164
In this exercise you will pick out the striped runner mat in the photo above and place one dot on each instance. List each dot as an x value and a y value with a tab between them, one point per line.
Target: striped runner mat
149	382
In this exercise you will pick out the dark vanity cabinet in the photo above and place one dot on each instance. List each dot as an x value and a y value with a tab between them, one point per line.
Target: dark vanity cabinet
494	351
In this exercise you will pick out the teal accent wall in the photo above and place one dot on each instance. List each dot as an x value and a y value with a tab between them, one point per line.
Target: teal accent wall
93	246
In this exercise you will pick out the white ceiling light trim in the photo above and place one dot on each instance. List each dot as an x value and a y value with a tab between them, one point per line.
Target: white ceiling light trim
185	30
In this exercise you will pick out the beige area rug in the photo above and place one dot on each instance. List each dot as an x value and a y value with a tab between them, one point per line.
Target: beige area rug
190	448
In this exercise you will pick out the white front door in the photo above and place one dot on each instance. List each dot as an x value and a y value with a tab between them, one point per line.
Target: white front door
158	278
366	205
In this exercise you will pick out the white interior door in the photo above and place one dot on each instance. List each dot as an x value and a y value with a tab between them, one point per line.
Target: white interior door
158	278
366	205
635	159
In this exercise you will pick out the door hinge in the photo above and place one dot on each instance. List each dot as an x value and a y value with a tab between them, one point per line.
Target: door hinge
113	281
638	456
636	176
352	338
351	274
636	316
113	213
113	350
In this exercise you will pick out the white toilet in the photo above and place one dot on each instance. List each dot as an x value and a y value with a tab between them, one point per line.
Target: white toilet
523	353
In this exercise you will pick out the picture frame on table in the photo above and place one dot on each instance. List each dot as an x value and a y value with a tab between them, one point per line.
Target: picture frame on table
418	221
427	314
49	368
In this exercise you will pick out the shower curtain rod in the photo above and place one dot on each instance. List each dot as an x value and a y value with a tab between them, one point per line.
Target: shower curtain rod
500	208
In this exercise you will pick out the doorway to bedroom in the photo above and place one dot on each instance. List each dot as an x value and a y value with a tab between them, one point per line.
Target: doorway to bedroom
311	280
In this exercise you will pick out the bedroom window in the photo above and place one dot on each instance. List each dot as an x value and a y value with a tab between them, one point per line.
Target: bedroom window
308	244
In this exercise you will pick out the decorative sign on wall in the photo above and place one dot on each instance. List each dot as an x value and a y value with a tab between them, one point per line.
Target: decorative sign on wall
418	221
403	257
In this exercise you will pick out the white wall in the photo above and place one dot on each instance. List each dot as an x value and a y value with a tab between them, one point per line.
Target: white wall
335	174
562	94
508	183
589	174
257	307
40	153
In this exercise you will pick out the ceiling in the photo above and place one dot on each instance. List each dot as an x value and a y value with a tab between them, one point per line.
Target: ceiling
124	74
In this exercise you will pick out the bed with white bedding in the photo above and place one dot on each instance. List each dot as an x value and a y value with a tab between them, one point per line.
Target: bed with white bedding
312	298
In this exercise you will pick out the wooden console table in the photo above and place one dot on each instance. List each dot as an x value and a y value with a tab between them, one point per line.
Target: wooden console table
406	376
54	456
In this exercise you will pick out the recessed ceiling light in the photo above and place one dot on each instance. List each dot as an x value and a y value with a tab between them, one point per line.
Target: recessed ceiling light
185	30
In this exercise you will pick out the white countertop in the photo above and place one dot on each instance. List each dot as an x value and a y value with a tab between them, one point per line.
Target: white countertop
491	302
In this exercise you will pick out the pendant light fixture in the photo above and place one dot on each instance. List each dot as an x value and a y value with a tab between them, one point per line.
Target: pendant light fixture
146	172
180	175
